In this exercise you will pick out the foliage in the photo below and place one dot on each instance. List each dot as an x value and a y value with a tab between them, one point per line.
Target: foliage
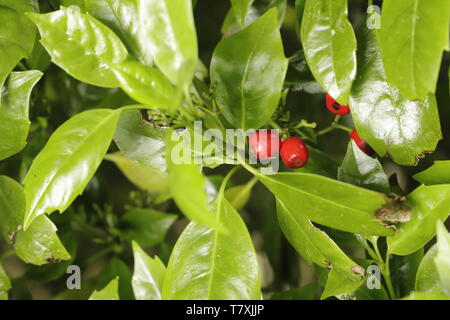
98	98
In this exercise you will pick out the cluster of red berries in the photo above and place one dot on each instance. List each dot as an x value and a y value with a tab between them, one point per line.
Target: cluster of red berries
342	110
293	151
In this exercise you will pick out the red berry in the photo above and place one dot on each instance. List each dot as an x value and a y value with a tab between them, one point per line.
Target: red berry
362	144
294	153
264	144
335	107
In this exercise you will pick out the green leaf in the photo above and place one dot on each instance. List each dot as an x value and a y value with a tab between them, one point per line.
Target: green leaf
442	259
12	207
14	106
5	284
320	163
426	296
141	141
439	173
414	33
116	268
338	285
299	76
187	184
404	271
330	46
146	226
389	122
427	279
145	178
170	31
248	69
82	46
299	10
232	23
329	202
39	59
147	85
238	196
79	3
17	33
307	292
68	161
54	271
123	17
39	244
314	245
148	276
429	204
362	170
240	8
213	264
110	292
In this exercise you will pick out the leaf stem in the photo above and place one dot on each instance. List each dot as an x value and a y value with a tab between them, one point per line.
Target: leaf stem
387	277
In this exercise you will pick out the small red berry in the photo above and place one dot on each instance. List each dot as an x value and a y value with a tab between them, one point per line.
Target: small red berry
335	107
264	144
362	144
294	153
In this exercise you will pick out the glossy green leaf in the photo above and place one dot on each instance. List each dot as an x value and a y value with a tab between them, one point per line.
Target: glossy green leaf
426	296
429	204
170	32
82	46
147	85
338	285
438	173
70	158
14	106
5	284
427	279
362	170
240	8
124	18
54	271
12	207
17	33
390	123
314	245
146	226
110	292
330	46
442	259
148	276
210	264
329	202
39	244
413	36
248	69
187	184
140	140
